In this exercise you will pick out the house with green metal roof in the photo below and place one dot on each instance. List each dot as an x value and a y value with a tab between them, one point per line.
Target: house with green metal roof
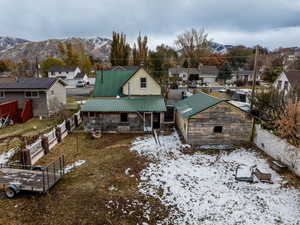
204	120
126	100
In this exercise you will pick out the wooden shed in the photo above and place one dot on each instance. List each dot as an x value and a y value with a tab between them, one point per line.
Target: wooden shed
204	120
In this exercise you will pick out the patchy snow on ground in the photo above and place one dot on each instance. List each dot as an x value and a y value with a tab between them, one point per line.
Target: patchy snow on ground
201	188
70	166
5	157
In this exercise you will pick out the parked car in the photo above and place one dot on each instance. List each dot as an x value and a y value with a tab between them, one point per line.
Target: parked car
80	83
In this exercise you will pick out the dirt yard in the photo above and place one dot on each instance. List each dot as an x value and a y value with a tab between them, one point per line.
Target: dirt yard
86	195
126	180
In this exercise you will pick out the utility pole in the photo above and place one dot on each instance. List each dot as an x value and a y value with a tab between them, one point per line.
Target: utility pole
253	91
254	77
37	66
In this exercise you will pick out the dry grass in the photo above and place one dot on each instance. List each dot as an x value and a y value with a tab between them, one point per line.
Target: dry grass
83	195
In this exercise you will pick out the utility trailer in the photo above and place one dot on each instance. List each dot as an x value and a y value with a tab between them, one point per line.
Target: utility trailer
16	178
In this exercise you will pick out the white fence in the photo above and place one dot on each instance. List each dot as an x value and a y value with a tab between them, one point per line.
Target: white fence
52	139
63	129
36	151
278	148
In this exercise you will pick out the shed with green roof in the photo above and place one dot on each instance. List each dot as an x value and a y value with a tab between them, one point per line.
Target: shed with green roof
206	120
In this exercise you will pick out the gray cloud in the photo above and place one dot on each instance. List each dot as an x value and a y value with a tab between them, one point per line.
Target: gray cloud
228	21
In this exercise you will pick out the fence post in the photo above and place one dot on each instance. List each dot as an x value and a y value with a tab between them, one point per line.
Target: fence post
68	125
25	157
58	133
45	144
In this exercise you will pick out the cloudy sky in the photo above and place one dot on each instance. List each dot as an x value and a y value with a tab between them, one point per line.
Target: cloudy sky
271	23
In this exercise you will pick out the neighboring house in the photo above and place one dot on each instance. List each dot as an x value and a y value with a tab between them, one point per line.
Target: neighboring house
82	77
48	95
126	101
71	74
202	74
203	119
287	80
246	75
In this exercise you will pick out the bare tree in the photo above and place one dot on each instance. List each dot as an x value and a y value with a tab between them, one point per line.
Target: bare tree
194	44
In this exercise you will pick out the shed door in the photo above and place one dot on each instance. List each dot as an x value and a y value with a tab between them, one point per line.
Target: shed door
147	121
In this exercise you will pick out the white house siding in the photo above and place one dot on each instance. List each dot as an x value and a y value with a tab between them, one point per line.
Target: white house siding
133	85
56	96
283	79
278	148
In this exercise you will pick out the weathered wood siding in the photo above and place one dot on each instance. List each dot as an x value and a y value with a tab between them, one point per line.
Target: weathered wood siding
236	126
111	123
182	124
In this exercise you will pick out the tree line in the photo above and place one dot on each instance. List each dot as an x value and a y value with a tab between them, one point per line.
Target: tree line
192	48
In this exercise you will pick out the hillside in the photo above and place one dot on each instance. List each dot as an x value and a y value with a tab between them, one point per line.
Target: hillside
16	48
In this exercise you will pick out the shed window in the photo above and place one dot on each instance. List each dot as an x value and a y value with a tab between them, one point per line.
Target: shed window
169	114
2	94
32	94
143	82
285	85
124	117
218	129
279	83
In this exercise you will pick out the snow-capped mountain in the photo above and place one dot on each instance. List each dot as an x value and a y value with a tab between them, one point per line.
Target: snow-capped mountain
97	47
9	42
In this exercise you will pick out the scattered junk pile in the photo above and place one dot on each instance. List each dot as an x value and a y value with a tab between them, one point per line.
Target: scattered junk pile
10	113
18	169
249	173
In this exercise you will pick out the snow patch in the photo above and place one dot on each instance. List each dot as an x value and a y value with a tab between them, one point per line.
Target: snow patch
201	188
5	157
70	166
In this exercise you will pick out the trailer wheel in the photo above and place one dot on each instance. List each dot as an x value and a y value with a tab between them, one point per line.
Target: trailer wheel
10	192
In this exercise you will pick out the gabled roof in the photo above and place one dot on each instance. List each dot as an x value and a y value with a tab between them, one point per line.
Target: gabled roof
62	68
124	67
79	75
109	82
31	83
195	104
293	76
211	70
125	104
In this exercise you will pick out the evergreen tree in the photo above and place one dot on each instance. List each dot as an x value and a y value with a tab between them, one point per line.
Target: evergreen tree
225	72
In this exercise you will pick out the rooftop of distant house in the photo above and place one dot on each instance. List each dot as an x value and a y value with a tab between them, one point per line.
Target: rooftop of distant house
293	76
203	69
29	83
62	68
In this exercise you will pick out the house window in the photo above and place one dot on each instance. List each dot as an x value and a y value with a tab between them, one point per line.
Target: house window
92	114
123	117
2	94
52	92
52	73
32	94
143	82
218	129
279	83
67	72
169	114
285	85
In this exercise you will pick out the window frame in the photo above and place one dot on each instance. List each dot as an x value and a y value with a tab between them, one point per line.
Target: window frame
279	84
143	82
121	118
285	85
31	96
217	131
2	94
